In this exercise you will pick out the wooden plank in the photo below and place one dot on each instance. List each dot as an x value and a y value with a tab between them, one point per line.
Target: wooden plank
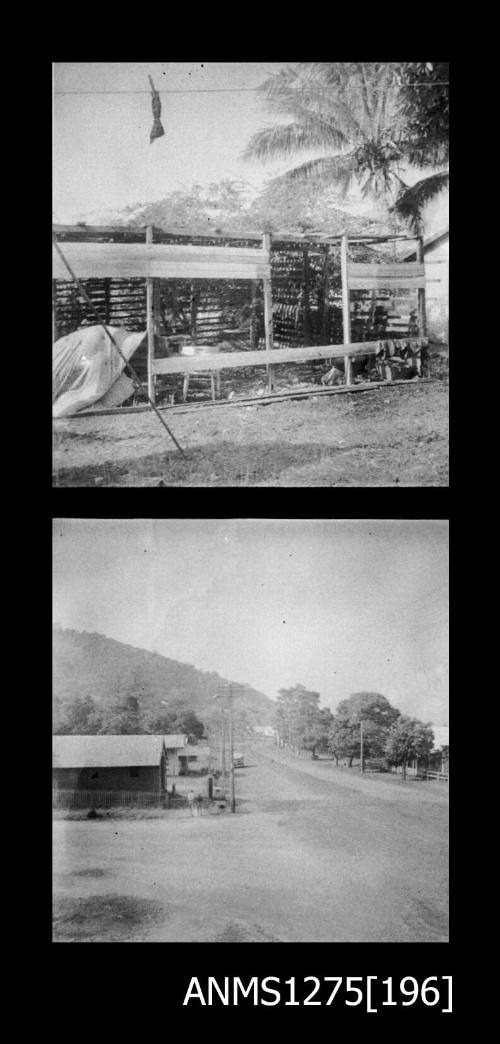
367	283
346	312
405	275
235	360
262	400
160	260
421	291
165	252
282	237
150	325
373	270
268	313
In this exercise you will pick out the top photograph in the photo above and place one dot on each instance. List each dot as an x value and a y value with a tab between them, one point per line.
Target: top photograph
250	274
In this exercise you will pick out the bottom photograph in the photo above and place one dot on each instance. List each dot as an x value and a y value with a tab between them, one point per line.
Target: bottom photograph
250	730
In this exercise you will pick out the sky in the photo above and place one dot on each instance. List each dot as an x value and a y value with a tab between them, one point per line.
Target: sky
339	606
102	156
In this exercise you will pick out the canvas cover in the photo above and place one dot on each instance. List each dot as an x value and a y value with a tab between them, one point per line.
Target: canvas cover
87	369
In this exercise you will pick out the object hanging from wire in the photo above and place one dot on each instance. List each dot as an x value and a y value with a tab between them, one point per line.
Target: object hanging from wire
157	130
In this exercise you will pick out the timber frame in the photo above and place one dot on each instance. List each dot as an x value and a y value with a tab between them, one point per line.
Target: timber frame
152	260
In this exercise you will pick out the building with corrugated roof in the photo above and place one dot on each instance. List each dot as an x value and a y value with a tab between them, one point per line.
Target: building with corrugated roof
106	763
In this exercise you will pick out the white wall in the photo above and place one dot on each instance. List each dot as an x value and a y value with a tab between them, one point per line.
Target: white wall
436	290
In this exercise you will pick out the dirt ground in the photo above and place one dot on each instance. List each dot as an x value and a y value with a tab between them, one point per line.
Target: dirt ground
387	436
313	853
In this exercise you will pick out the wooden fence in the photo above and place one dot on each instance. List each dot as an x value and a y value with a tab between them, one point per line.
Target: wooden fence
417	773
105	798
444	777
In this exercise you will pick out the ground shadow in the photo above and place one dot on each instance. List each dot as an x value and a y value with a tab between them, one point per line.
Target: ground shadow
227	464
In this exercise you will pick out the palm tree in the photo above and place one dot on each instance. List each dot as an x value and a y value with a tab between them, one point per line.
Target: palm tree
355	113
347	110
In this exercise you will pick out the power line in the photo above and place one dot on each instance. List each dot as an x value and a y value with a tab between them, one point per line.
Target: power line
251	90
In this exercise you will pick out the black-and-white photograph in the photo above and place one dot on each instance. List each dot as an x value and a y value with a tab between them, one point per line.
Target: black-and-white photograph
251	730
250	274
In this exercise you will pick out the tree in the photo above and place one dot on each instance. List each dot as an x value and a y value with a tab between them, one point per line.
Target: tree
300	722
203	208
124	717
347	110
372	121
407	739
175	721
307	206
80	716
377	715
424	115
343	739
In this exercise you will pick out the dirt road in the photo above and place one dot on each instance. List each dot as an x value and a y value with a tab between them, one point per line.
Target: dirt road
388	436
310	855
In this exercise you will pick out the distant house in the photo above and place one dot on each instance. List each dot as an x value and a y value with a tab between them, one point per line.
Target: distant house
193	758
265	730
436	262
110	763
440	757
174	746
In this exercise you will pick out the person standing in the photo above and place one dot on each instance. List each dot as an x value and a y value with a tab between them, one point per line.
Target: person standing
191	801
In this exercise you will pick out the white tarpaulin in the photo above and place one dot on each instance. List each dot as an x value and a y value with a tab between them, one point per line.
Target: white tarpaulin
87	369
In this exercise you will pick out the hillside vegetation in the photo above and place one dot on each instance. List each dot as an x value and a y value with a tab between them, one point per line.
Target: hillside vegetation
101	685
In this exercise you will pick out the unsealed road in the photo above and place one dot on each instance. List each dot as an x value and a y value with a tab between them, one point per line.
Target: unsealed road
313	854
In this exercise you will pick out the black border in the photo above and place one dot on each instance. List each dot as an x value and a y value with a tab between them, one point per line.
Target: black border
122	987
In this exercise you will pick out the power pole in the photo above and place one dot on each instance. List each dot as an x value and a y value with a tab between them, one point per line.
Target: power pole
362	764
231	748
223	747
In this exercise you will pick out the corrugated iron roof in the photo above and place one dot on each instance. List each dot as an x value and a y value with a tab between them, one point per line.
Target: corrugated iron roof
429	242
106	751
178	739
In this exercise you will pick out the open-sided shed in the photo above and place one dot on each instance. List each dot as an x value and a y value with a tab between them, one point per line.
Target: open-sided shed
115	259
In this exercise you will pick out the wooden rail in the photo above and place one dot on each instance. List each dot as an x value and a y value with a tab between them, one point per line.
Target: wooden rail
161	261
406	275
234	360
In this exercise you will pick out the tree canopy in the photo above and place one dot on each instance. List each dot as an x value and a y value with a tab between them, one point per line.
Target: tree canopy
407	739
377	715
370	120
300	722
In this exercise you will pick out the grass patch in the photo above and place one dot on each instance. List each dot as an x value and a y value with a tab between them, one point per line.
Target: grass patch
103	918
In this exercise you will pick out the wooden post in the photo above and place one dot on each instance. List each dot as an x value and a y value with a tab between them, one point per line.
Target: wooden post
346	316
107	301
254	323
306	314
231	750
325	326
223	747
150	324
422	325
194	312
54	311
268	312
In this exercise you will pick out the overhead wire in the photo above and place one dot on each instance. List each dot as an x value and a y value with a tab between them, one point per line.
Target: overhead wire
251	90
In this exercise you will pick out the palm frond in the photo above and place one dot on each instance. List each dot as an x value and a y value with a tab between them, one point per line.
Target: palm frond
336	170
412	200
307	97
286	139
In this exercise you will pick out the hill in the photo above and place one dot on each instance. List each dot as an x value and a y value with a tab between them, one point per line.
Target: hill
102	685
